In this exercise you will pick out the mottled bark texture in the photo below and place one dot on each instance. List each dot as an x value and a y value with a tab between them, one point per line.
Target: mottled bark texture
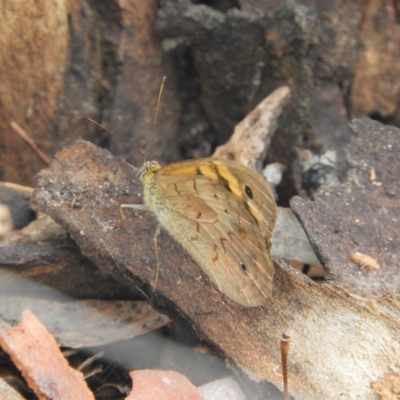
105	60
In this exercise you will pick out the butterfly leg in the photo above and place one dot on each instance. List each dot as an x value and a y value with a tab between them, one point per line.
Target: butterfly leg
158	230
134	206
143	207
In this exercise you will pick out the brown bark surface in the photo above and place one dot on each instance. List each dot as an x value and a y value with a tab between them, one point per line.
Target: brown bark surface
104	60
62	60
335	322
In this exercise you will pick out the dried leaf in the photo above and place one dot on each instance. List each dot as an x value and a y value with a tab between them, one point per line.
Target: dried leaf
86	323
388	387
36	354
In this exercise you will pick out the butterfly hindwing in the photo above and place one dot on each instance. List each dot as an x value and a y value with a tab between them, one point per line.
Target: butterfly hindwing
223	224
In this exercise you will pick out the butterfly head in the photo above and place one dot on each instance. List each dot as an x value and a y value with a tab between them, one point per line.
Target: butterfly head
148	169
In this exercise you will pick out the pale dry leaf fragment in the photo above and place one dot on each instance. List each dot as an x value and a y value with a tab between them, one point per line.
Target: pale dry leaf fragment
388	388
371	174
364	260
273	173
251	138
6	223
36	354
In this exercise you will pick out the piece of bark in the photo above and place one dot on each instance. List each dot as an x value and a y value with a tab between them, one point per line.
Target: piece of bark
329	119
143	64
226	61
85	323
17	198
61	60
320	319
375	88
36	354
360	216
47	45
42	261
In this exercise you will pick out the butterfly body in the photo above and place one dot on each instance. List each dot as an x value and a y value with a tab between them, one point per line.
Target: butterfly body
223	214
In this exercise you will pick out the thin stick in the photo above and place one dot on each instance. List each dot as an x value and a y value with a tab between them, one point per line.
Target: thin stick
15	186
153	132
90	360
21	133
285	342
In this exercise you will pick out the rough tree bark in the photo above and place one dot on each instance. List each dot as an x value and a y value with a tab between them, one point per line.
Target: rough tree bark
60	60
344	333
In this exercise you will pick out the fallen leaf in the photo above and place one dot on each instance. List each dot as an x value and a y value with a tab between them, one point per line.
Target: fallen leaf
86	323
36	354
388	387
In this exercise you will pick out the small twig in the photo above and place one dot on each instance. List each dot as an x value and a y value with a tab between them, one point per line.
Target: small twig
19	188
90	360
285	342
20	132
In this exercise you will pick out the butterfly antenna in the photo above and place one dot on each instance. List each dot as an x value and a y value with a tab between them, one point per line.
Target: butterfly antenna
115	135
153	132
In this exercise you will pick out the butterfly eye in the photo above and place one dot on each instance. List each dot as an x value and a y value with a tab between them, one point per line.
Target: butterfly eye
249	192
243	266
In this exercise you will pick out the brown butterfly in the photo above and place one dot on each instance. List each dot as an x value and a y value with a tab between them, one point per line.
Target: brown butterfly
223	214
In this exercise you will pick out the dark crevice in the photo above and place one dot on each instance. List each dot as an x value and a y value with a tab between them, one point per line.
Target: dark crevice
220	5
